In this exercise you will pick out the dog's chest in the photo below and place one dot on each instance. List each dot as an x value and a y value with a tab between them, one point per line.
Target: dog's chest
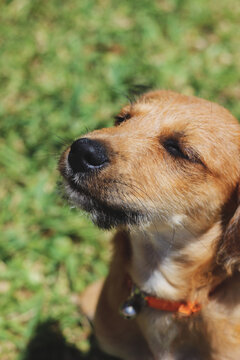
159	330
172	338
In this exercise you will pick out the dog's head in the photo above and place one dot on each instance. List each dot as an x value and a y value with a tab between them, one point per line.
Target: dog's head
169	158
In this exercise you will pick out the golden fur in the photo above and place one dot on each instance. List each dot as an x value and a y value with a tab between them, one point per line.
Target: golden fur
173	176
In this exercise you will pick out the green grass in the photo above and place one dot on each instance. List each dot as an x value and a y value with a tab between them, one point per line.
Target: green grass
65	68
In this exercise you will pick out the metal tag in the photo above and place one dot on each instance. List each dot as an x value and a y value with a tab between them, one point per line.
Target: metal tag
132	306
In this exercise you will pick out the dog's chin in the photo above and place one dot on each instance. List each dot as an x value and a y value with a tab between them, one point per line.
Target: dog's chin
104	215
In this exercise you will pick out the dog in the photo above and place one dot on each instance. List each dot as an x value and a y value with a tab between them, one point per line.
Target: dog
167	177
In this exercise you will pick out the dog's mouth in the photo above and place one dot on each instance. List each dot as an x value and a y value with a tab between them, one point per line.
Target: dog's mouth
106	208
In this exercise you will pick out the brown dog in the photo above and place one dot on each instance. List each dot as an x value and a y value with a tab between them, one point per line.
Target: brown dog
167	175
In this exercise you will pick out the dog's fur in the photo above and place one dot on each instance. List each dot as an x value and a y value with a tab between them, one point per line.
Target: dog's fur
172	189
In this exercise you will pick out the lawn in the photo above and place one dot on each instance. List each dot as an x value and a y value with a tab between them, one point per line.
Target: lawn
67	67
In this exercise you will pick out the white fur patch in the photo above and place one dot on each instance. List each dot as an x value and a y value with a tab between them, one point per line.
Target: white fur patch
153	268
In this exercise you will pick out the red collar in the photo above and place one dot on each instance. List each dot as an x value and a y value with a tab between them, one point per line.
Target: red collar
182	307
138	298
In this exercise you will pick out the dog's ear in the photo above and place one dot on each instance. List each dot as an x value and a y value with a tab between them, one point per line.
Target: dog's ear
229	250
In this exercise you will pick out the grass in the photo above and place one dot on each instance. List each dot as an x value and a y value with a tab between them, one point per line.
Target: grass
65	68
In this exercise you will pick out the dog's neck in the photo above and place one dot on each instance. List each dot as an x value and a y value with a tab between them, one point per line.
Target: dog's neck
172	263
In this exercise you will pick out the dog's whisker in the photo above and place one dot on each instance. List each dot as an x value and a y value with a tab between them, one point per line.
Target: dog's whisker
62	140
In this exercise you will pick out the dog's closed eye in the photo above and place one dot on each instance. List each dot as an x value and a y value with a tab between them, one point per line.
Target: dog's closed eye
178	151
173	147
121	118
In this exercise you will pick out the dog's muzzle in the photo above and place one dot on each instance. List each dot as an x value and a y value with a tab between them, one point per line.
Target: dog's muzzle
95	191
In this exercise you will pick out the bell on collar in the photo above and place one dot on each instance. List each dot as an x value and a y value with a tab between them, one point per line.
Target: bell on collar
132	306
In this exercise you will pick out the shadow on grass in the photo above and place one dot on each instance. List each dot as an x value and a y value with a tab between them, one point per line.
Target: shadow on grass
48	343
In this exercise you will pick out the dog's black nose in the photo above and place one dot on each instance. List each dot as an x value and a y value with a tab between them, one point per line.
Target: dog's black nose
86	155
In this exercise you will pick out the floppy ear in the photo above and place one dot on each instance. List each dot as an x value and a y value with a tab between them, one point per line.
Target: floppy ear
229	251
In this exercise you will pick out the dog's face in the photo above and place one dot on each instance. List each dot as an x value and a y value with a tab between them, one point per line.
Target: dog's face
169	158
